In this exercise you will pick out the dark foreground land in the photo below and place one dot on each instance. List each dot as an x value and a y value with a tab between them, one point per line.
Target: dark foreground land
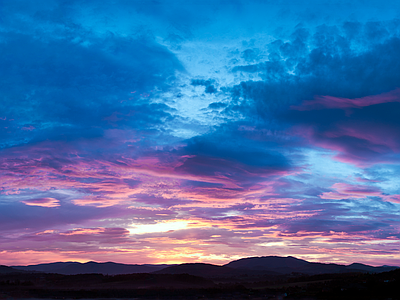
24	284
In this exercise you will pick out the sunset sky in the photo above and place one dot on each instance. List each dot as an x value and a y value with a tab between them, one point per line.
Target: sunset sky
177	131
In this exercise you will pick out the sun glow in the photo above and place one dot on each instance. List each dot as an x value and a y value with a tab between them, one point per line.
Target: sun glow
158	227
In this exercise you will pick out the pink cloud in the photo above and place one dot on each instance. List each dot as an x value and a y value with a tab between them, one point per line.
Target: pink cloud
346	191
28	128
220	228
364	131
84	231
99	201
214	245
380	137
43	202
103	183
391	198
330	102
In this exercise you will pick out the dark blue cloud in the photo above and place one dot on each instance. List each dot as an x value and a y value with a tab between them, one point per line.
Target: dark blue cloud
351	60
60	89
195	184
231	153
368	134
331	61
235	150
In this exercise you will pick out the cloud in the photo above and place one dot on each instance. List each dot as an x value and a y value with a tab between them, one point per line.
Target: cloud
232	155
214	130
43	202
350	66
345	191
351	191
363	130
328	102
208	84
70	91
19	218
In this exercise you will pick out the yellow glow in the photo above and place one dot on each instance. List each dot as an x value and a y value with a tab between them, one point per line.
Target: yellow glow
158	227
272	244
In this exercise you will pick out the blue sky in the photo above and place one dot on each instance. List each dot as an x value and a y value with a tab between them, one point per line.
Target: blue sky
182	131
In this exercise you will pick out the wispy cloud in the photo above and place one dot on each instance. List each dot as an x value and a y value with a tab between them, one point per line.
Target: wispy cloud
43	202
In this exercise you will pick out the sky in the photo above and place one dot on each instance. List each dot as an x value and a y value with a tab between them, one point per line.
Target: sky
173	131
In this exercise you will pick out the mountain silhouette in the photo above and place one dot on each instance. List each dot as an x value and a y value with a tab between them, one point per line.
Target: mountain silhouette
275	263
268	265
73	268
288	265
47	268
370	269
7	270
252	266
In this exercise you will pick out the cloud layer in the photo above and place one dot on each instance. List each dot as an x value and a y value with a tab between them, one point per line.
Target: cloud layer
196	131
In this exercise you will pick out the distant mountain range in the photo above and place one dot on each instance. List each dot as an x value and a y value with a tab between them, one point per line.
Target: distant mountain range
73	268
253	266
288	265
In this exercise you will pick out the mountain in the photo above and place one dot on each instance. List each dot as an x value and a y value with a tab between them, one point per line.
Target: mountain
251	266
370	269
7	270
47	268
72	268
287	265
272	263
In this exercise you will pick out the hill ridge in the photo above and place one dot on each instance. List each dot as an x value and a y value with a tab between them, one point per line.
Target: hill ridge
258	265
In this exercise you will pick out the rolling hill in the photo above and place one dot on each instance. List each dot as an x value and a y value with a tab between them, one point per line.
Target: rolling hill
7	270
287	265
